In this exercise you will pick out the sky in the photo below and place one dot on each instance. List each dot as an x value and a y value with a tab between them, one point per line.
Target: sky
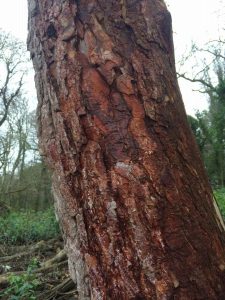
196	21
193	20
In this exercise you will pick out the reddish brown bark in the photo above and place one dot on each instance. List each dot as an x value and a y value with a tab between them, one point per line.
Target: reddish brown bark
131	192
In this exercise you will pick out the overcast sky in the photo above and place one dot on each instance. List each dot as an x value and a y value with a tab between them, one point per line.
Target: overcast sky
199	21
193	20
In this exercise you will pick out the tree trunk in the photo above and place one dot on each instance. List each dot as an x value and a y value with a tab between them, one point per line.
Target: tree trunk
131	193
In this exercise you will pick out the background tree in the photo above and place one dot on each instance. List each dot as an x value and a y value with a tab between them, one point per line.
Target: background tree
24	181
13	65
200	129
210	77
131	192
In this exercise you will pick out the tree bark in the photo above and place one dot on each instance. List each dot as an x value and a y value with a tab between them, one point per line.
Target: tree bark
136	209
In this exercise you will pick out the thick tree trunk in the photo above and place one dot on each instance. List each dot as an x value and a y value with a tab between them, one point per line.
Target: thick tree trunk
134	202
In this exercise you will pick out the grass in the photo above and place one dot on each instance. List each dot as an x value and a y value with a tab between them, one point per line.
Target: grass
27	227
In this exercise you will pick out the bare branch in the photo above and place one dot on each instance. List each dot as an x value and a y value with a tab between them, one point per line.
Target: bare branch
197	80
13	59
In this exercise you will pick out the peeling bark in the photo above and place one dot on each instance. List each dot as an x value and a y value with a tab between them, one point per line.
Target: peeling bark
131	193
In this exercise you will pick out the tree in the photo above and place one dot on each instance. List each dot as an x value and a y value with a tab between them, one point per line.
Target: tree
200	130
14	144
13	64
24	180
13	68
210	77
134	202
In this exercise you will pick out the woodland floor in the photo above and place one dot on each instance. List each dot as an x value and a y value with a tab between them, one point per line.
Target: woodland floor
42	265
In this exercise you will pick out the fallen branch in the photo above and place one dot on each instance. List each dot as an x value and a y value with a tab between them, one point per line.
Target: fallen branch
42	245
4	279
61	289
57	258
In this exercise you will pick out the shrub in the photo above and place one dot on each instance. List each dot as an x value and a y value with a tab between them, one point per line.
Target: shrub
22	287
27	227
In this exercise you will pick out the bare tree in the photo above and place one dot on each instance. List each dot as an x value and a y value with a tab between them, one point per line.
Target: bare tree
14	144
13	66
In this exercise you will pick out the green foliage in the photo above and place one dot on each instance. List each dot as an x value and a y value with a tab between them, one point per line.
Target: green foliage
220	198
209	126
199	128
27	227
209	130
22	287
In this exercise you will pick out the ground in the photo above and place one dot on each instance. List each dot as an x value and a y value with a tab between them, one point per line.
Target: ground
35	271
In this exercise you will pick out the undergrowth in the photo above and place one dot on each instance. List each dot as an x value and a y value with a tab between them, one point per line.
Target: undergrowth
220	198
22	287
27	227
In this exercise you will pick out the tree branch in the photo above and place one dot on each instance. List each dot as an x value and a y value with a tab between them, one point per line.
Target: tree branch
197	80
